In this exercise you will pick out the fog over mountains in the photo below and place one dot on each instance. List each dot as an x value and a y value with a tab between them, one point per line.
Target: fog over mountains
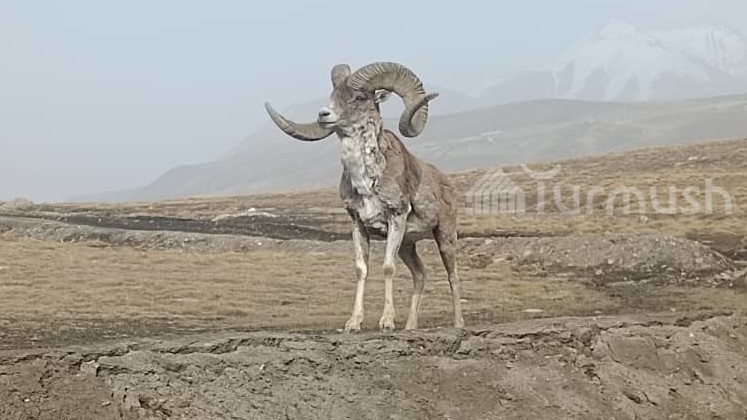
615	89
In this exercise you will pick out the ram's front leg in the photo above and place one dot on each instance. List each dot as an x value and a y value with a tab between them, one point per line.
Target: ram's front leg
395	234
361	245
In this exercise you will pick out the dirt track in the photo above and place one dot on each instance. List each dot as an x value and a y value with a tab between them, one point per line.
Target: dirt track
287	226
571	368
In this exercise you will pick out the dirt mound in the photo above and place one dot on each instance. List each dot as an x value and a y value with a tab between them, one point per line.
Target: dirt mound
581	368
610	258
17	204
150	238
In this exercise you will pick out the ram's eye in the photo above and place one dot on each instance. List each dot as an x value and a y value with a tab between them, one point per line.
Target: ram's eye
360	97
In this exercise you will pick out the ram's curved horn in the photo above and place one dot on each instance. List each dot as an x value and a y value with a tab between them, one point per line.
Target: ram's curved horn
304	132
402	81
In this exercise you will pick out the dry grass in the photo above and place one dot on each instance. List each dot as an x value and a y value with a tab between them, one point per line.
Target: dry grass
48	282
725	162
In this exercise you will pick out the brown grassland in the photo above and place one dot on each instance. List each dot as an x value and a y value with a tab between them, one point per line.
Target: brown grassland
53	292
724	162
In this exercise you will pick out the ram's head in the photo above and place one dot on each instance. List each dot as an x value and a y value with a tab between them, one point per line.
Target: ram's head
355	101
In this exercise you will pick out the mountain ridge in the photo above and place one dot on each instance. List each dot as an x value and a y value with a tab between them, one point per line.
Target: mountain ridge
524	132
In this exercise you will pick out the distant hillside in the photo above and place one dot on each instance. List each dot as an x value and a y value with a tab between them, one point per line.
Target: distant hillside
524	132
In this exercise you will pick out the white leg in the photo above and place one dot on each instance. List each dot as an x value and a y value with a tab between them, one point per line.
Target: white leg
361	245
395	234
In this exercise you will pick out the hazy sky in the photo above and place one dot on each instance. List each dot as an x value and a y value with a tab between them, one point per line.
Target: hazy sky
100	95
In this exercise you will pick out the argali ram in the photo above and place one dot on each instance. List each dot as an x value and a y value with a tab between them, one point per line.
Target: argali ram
387	191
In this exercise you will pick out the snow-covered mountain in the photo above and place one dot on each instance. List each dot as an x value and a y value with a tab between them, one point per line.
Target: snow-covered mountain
620	62
720	46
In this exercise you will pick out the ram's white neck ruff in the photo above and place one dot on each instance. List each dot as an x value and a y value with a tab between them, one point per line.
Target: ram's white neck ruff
362	158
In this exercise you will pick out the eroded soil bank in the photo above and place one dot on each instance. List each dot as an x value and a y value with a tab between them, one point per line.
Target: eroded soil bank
654	367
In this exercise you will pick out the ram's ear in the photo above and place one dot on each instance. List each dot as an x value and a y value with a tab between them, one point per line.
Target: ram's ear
382	95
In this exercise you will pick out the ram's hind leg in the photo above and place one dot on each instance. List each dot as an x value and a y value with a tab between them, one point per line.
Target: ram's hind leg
409	255
446	239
